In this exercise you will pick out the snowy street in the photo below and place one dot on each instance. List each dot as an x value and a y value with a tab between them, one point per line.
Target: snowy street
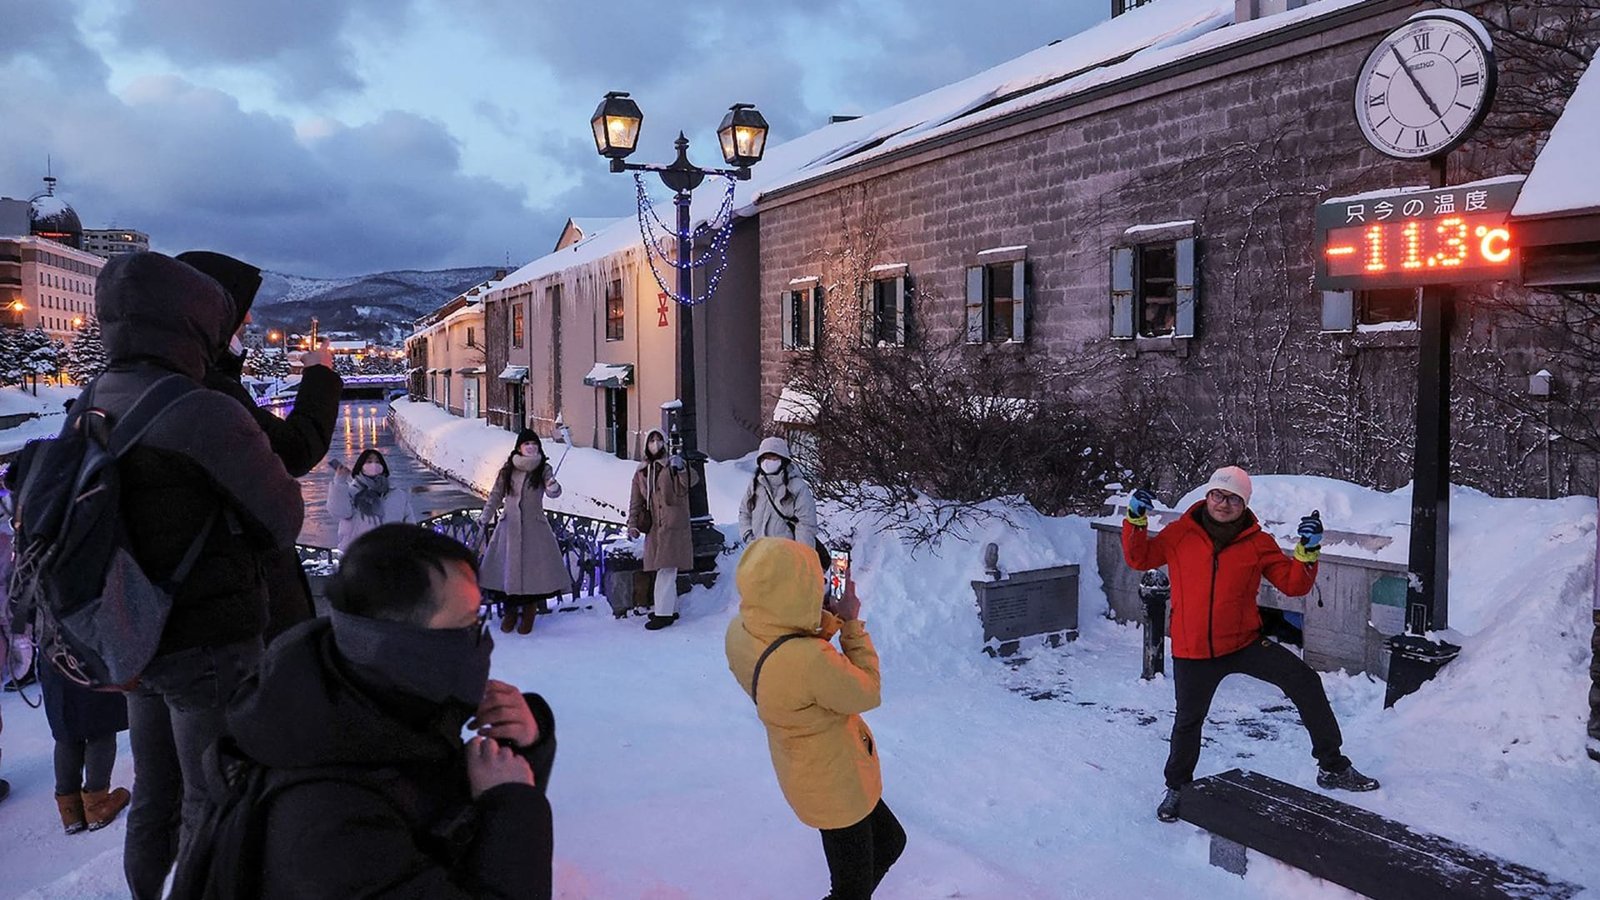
1035	780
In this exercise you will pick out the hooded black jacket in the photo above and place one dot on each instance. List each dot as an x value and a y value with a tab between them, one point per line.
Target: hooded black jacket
404	823
205	455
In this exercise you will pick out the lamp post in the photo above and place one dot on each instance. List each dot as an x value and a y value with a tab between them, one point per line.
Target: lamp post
743	137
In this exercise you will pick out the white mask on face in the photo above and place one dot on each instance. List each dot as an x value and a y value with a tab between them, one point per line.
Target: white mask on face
653	448
372	469
235	346
771	466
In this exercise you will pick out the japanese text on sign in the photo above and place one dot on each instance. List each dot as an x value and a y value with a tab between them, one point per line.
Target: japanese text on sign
1447	236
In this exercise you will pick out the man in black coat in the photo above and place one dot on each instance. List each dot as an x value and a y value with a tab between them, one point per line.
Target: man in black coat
380	693
300	439
205	472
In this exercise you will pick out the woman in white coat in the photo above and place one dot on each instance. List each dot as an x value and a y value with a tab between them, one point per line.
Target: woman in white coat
363	499
523	560
778	502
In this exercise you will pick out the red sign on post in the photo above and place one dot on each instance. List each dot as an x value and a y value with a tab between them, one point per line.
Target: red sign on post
1453	235
661	310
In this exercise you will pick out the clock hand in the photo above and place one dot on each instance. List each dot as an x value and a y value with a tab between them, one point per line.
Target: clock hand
1415	82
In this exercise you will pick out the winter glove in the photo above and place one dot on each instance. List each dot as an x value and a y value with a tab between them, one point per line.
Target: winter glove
1309	547
1139	506
676	462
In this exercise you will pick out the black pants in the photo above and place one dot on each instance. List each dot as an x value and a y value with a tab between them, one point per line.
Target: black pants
1195	682
860	855
1594	680
85	765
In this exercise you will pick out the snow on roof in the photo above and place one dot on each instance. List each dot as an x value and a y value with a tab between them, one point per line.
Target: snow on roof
795	407
594	224
1562	180
347	345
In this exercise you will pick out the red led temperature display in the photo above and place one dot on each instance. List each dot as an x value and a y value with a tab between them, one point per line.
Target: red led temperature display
1453	236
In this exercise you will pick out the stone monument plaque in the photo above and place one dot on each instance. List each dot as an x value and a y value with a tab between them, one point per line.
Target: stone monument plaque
1040	602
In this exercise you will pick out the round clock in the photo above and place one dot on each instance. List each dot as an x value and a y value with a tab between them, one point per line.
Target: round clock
1426	86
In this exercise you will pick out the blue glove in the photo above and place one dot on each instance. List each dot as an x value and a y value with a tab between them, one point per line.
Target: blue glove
1311	530
1140	504
676	462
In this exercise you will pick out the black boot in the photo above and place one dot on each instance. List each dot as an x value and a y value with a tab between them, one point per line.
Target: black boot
1168	810
1346	779
657	623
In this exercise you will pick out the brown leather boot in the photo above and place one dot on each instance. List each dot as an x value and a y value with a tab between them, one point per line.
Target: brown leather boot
100	807
525	621
71	808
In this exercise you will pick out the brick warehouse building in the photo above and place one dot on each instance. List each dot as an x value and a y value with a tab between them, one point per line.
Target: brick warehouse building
1148	222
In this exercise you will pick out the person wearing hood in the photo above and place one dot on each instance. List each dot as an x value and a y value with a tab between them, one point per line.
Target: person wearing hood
362	499
778	502
300	439
810	697
522	559
203	475
376	696
658	508
1216	555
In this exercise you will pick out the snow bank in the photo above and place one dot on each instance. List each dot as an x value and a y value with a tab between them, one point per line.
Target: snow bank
48	404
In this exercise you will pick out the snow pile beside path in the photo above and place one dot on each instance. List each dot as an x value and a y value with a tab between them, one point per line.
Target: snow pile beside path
594	483
48	405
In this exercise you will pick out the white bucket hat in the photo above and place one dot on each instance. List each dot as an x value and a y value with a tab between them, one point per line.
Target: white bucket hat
776	446
1232	479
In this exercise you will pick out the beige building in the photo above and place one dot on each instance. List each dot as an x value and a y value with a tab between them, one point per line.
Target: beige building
447	349
109	242
45	279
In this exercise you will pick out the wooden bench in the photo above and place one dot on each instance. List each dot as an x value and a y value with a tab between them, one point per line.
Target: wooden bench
1348	846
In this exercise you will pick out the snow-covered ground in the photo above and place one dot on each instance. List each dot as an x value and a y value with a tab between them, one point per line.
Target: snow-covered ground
1034	780
48	404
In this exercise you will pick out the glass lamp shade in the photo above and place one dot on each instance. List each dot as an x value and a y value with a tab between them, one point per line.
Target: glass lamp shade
743	135
616	123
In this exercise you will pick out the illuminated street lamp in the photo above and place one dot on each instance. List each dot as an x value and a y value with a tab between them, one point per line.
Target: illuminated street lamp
743	136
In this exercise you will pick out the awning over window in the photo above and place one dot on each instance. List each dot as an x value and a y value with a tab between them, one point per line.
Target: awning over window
514	373
470	370
795	407
609	375
444	371
433	371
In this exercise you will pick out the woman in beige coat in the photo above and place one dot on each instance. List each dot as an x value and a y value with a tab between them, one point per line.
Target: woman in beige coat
658	508
523	561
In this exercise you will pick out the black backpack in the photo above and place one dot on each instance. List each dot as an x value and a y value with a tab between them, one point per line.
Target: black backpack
98	618
224	857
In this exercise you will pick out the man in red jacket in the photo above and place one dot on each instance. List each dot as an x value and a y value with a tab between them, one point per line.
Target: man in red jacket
1216	556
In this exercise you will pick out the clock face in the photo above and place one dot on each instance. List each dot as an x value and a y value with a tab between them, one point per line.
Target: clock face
1424	88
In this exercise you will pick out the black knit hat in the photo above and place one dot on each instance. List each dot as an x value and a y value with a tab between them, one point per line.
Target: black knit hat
240	279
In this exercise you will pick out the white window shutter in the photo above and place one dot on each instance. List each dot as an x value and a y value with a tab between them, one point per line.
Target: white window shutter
869	329
1122	293
816	317
786	326
976	320
1188	289
1019	300
900	311
1338	311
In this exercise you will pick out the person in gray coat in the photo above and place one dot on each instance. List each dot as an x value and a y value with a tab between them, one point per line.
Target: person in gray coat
658	508
523	560
362	499
778	502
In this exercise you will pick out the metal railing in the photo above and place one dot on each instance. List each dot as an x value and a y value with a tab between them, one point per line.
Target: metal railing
582	541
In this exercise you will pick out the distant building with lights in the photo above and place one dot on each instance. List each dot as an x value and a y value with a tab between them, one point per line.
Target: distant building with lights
109	242
46	277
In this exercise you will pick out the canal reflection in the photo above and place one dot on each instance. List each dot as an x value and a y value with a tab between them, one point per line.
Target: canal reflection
363	424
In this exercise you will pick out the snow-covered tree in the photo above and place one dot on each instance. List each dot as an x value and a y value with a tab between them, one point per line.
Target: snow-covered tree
86	358
344	366
12	369
37	356
267	364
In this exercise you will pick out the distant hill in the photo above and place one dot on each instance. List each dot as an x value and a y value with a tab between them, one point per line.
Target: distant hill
380	306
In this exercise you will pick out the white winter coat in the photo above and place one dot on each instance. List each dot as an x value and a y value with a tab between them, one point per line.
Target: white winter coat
777	507
396	507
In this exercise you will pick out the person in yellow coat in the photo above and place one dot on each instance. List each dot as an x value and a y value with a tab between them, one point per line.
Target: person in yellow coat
810	697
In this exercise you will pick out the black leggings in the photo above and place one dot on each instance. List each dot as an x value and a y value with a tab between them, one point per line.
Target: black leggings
860	855
85	765
1195	682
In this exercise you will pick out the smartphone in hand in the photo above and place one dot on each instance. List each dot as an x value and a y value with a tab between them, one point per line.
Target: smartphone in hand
838	575
336	464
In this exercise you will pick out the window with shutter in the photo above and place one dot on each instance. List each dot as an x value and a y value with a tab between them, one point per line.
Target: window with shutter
815	332
1019	301
1184	289
976	314
1157	289
1122	293
1388	306
786	316
900	327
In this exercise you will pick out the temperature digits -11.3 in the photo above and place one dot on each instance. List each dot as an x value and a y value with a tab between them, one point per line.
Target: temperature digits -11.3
1456	248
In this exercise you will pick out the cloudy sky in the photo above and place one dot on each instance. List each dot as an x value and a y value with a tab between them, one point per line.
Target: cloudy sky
342	137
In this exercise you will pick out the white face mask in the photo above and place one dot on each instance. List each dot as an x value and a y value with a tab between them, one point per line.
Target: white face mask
235	346
653	448
771	466
372	469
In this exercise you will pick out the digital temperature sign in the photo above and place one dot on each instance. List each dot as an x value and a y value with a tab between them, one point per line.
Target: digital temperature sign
1453	235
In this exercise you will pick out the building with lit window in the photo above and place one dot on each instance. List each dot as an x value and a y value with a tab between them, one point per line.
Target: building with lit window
46	278
109	242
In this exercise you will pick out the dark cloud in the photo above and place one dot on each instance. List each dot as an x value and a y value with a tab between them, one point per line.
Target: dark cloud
301	44
44	39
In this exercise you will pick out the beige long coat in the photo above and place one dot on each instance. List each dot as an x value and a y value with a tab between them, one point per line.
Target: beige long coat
660	498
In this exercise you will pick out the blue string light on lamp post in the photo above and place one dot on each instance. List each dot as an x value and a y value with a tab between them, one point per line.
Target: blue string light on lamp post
743	135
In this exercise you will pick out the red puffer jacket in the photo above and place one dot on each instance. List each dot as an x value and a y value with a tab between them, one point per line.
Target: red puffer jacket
1214	592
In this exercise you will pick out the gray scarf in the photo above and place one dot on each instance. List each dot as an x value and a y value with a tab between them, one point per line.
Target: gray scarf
370	491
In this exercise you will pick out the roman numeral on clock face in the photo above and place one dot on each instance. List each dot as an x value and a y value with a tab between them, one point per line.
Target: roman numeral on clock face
1471	78
1378	100
1421	41
1422	138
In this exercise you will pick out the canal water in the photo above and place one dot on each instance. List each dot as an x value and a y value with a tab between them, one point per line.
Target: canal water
362	424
